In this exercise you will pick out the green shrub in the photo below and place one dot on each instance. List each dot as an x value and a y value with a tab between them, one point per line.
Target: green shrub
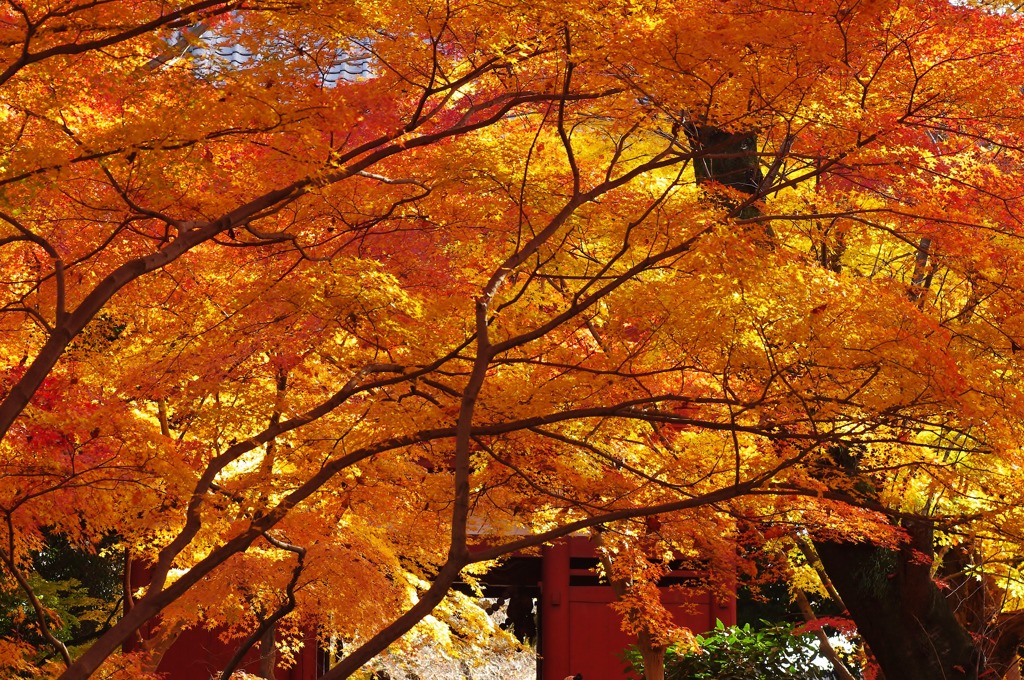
771	652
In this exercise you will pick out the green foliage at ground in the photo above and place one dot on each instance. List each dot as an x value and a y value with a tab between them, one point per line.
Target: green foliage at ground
767	652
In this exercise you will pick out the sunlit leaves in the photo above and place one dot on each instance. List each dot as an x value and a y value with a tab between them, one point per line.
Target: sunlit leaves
396	199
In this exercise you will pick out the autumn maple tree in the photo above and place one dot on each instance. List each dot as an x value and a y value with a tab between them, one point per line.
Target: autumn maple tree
305	300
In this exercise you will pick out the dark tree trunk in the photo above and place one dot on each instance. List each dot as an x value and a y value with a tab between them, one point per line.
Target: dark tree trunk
977	602
729	159
901	614
268	654
1005	646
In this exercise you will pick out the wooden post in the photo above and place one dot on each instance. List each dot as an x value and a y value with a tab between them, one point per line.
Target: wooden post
555	611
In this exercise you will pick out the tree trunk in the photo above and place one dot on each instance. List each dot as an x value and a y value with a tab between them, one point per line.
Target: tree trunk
268	654
653	656
824	644
901	614
729	159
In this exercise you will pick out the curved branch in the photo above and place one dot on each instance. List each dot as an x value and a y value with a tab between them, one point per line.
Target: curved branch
27	57
286	607
37	606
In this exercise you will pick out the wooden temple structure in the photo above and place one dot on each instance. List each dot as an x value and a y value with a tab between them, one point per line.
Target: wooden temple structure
555	600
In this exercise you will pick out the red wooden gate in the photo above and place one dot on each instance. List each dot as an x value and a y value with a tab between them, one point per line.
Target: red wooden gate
580	633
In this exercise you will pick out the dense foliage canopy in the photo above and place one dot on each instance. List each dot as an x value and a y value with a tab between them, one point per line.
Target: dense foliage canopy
308	299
